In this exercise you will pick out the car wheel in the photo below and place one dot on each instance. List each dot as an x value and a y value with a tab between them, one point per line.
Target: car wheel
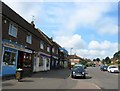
110	71
84	76
72	76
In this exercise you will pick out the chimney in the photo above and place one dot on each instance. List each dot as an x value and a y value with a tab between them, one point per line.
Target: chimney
32	23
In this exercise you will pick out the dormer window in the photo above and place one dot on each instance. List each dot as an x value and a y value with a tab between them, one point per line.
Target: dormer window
13	30
29	39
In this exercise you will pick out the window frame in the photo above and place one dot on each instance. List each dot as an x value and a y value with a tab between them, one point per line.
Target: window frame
13	30
42	45
29	38
48	48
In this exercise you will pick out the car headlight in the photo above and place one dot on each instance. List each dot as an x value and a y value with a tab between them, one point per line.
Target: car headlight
73	72
83	72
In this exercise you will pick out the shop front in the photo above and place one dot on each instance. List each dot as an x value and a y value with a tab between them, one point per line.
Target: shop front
9	57
25	61
41	62
54	62
15	56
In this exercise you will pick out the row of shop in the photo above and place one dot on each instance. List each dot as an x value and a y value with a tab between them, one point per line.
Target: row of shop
16	56
27	47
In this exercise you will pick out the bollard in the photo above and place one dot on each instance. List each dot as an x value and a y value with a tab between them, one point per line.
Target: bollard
19	74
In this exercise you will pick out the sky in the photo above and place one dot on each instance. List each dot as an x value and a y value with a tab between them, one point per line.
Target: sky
88	28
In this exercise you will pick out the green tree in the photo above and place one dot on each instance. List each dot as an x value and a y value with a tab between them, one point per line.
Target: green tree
107	60
97	59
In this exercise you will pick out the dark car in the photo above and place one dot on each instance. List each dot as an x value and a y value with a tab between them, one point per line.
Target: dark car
78	71
103	68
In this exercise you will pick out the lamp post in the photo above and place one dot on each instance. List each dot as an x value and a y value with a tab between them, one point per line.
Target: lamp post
71	51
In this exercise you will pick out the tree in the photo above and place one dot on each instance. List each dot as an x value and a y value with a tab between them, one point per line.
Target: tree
97	59
107	60
103	61
94	60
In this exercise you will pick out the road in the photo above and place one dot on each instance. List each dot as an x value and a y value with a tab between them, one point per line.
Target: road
60	79
103	79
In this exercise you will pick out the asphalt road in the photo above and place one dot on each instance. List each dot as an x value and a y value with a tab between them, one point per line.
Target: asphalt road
60	79
55	79
103	79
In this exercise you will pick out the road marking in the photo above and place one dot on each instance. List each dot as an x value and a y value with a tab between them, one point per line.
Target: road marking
96	85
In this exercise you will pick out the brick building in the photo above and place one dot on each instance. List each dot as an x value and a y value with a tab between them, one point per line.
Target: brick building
24	46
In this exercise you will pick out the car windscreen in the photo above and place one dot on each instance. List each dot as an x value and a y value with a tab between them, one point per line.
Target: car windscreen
79	68
105	66
113	67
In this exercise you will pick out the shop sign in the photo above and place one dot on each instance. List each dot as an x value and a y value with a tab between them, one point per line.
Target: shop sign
13	46
28	51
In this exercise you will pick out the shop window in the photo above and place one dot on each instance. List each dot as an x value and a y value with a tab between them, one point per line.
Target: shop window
41	61
27	60
9	58
13	30
29	39
48	61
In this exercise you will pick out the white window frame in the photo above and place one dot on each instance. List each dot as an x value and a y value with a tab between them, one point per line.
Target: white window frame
48	49
41	45
57	51
53	50
29	38
13	30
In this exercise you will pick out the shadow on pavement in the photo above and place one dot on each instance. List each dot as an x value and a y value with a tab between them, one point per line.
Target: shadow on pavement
7	84
57	73
87	77
26	80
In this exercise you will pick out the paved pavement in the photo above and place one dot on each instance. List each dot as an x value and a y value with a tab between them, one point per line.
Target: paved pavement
55	79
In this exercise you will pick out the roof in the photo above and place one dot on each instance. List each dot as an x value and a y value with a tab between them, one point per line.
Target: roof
74	57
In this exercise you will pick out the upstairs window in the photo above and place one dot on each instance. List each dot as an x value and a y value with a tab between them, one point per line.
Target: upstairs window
29	39
13	30
48	49
57	51
53	50
41	45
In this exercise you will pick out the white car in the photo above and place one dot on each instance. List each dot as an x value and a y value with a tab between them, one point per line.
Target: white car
113	69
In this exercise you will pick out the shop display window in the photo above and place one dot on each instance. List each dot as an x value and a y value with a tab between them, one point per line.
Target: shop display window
41	61
9	58
48	60
27	60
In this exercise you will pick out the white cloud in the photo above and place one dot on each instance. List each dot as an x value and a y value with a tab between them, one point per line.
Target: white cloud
61	0
99	49
73	41
108	25
103	45
68	20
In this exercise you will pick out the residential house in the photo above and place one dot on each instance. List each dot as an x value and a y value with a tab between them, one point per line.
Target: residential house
74	59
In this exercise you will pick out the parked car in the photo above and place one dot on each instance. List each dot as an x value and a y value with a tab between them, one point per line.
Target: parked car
78	71
103	68
113	69
77	65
